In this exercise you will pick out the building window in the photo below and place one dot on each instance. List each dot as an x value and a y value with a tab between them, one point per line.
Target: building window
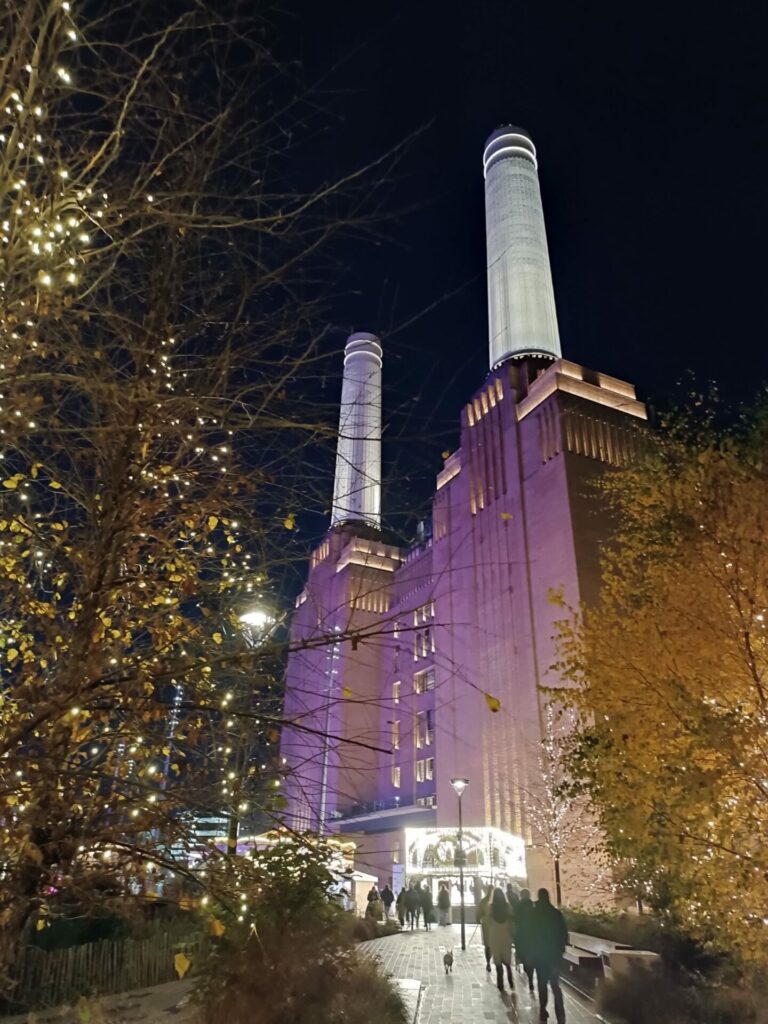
424	728
396	776
429	768
395	693
424	643
396	629
420	771
427	801
396	735
424	681
424	613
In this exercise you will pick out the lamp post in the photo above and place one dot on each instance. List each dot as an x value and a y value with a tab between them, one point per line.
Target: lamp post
255	624
459	785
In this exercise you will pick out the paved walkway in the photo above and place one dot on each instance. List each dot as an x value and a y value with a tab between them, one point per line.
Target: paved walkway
469	995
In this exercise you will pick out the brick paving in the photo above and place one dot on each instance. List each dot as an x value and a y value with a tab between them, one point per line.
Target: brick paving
469	995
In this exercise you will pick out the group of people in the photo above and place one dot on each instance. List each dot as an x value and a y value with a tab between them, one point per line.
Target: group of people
537	931
539	934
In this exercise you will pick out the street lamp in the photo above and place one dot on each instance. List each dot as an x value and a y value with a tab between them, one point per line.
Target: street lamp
255	623
459	785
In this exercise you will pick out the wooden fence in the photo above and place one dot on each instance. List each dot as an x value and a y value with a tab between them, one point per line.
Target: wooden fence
99	968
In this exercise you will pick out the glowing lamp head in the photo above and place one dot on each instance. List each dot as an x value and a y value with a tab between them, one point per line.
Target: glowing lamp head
257	618
459	785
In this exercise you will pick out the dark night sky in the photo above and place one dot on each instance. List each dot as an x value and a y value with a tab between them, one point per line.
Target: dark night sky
650	124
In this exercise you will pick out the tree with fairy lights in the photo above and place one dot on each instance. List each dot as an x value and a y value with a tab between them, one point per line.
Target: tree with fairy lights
560	821
670	669
155	332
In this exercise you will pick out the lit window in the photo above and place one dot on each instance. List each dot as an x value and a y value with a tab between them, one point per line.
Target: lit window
395	693
429	768
424	681
396	776
420	771
424	728
424	613
396	735
424	643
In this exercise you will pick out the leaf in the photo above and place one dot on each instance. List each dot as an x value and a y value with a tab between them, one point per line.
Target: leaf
346	693
217	638
493	703
55	485
13	482
12	654
290	522
40	924
213	522
216	928
506	515
181	963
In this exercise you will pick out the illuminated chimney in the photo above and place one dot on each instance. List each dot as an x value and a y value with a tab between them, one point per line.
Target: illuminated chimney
357	485
521	298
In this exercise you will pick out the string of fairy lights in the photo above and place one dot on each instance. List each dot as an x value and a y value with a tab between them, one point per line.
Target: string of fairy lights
55	221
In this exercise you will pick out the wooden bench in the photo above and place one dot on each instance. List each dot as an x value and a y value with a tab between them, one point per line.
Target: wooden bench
581	959
601	948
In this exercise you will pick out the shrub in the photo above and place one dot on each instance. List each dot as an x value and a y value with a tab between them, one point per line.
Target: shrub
294	962
645	931
677	997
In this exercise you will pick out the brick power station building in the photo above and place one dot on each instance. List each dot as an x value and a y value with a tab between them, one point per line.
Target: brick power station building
424	664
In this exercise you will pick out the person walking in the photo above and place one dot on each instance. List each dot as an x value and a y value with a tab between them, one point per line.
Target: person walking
412	906
513	897
400	907
373	893
522	931
549	937
444	905
498	926
427	906
387	898
483	909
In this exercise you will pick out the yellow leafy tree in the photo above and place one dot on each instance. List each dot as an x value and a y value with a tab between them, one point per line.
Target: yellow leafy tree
153	334
670	680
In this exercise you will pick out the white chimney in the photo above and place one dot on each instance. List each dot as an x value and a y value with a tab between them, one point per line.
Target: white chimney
521	298
357	485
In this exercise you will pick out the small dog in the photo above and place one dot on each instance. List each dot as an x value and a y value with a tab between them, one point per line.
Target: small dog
448	961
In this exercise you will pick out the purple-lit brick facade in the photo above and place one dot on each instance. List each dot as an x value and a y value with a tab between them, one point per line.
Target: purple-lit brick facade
414	666
465	615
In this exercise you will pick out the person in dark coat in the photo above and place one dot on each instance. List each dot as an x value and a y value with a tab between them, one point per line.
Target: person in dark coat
400	905
512	895
523	925
427	906
549	937
387	898
444	905
373	894
413	905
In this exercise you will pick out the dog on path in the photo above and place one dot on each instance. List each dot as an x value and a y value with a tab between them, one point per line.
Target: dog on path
448	961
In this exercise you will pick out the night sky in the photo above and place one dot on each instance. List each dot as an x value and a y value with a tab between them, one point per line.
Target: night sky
650	124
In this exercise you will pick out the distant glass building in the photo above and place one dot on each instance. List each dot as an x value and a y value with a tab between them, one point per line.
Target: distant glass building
413	666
